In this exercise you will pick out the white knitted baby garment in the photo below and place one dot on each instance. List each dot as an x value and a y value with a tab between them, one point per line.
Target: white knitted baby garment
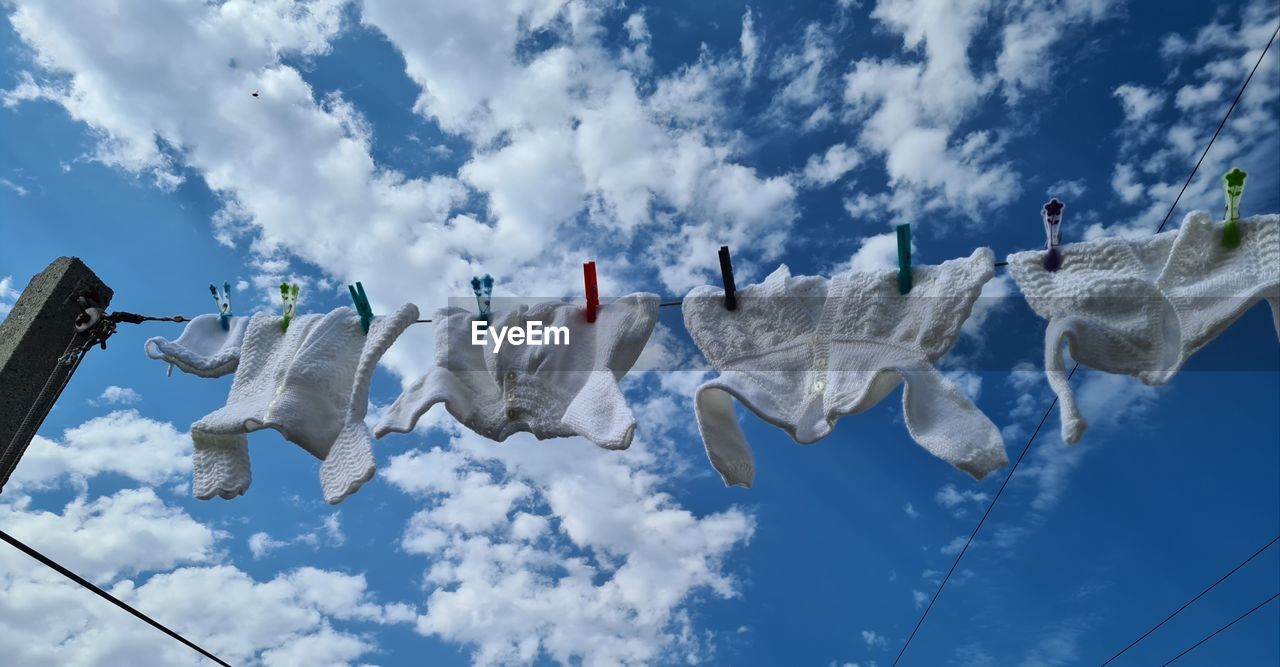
551	391
310	383
203	348
1143	307
801	352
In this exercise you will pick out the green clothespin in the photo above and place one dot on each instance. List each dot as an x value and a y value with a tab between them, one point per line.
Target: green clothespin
1233	183
224	304
288	295
362	305
904	259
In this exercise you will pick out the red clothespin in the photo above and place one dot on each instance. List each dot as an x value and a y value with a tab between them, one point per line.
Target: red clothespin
593	291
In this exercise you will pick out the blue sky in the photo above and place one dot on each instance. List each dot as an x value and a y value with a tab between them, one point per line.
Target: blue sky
411	146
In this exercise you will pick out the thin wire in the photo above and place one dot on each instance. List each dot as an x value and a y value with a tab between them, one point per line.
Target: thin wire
983	520
1219	630
1220	126
18	544
1191	601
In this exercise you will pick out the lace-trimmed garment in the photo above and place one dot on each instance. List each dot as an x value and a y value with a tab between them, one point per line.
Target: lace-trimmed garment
310	383
802	352
1143	307
551	391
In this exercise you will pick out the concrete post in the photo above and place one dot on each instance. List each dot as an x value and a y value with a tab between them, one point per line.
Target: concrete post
35	340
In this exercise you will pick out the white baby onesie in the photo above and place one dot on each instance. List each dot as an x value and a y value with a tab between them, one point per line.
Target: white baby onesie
549	390
801	352
1143	307
310	383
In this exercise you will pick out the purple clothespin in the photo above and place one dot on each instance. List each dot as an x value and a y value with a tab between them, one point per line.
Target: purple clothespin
1052	215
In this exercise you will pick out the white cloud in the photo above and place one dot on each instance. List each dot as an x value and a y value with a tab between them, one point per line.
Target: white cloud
955	546
878	252
1067	189
919	599
802	71
114	395
123	443
1208	70
17	189
261	544
873	639
603	577
1138	102
910	510
950	497
749	42
1033	40
821	171
128	532
8	295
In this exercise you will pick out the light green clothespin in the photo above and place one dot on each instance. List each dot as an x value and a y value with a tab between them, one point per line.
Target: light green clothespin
1233	183
288	295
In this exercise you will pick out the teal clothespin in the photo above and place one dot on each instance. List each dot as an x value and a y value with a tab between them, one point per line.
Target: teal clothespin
224	304
1233	183
362	305
483	288
288	295
904	259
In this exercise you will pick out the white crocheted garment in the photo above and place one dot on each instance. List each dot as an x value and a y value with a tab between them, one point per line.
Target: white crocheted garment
310	383
203	348
1143	307
801	352
551	391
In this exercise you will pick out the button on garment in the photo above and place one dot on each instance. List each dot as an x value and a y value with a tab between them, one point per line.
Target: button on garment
1143	307
801	352
550	390
310	383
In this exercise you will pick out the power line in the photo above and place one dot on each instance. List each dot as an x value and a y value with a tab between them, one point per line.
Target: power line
1191	601
1219	630
981	521
49	562
1047	412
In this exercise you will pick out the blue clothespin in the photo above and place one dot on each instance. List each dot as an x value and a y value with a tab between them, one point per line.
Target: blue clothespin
483	287
1052	216
362	305
289	296
904	259
224	304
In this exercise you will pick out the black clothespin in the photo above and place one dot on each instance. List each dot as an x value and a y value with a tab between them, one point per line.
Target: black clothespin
726	272
904	258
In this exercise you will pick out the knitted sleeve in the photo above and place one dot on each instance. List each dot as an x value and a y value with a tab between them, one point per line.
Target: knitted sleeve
203	348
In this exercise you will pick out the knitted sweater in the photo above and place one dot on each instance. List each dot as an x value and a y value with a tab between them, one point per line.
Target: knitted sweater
802	352
551	391
310	383
1143	307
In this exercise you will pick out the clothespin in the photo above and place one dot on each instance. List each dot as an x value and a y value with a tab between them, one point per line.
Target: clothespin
593	291
1052	216
726	273
904	258
483	287
224	304
288	295
362	305
1233	182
